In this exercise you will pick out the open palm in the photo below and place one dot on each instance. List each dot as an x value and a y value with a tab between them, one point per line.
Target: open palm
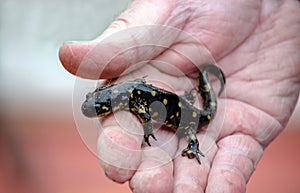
255	43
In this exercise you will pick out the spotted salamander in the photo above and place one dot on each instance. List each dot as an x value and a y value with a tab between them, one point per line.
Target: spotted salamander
150	103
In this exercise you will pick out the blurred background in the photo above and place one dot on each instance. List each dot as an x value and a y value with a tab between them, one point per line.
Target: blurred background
40	147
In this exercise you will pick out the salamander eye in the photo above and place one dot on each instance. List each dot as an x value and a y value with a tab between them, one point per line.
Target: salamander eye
88	95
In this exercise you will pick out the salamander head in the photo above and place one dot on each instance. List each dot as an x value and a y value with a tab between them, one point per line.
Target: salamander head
97	103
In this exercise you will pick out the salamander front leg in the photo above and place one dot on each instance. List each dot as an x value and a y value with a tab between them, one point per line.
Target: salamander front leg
145	118
148	132
192	150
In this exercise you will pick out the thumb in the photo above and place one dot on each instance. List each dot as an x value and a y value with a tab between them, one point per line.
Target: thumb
122	44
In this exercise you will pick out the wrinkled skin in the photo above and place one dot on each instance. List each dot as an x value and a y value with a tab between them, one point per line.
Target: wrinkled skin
256	43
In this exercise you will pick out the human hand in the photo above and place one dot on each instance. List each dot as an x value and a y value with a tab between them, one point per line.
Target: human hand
256	44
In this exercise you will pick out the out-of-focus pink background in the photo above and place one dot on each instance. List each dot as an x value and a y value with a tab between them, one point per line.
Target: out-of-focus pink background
41	149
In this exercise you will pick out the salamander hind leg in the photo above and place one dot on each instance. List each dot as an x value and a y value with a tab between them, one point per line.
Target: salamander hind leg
191	96
192	150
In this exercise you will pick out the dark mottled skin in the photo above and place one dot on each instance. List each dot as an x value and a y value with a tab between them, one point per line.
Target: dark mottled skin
151	103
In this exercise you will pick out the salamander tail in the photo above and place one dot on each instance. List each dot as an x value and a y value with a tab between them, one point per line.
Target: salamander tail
217	72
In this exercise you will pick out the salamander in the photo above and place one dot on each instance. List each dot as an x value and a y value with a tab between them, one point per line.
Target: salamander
150	103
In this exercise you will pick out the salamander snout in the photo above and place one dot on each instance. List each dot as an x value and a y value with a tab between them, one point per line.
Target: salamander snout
89	108
97	104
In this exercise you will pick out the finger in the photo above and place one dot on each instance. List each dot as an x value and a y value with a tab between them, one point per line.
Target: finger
233	164
119	146
109	57
155	173
125	50
141	13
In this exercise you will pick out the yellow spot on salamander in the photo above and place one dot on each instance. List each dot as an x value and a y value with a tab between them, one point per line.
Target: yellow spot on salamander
194	114
165	101
207	87
169	125
104	114
155	114
141	110
179	104
139	92
208	117
105	108
129	91
177	114
192	123
153	93
213	104
172	116
116	108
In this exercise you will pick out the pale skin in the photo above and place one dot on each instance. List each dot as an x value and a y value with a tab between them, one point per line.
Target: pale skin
256	44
